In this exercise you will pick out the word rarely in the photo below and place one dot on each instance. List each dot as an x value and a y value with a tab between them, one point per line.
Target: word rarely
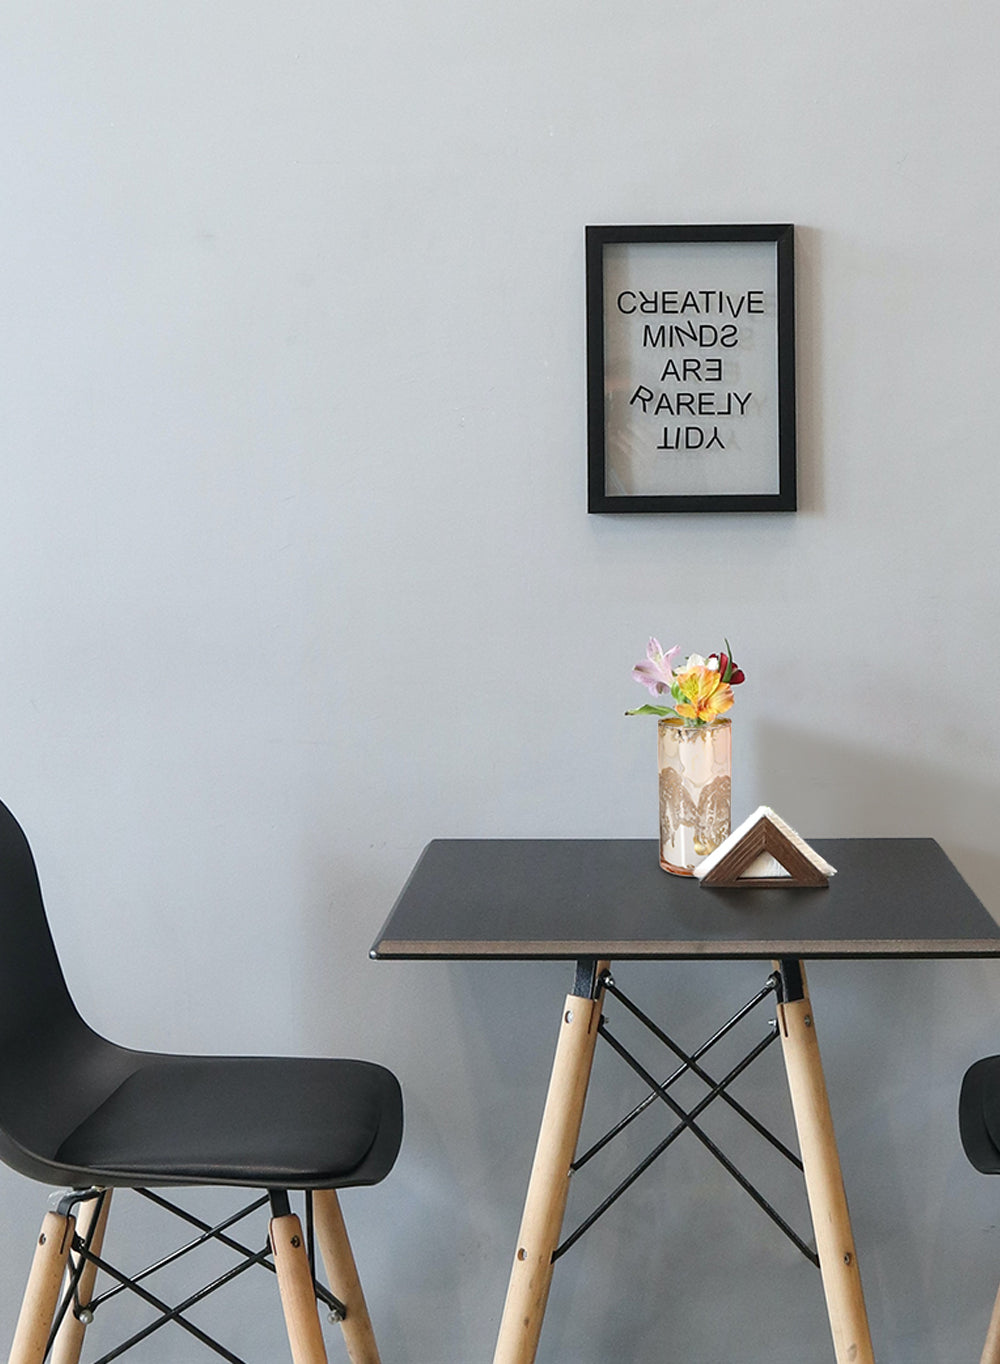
704	404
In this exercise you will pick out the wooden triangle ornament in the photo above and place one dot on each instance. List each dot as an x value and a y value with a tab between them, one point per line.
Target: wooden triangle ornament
764	851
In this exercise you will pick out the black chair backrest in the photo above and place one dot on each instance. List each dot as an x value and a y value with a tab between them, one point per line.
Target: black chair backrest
50	1060
33	991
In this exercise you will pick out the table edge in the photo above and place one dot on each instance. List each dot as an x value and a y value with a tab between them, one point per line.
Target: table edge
389	949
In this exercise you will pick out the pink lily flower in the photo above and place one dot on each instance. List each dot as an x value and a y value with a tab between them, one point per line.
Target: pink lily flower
657	673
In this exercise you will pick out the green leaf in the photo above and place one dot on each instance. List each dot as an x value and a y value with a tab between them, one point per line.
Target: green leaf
729	663
666	711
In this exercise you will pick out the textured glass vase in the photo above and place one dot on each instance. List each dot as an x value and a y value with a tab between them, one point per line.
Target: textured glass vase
695	765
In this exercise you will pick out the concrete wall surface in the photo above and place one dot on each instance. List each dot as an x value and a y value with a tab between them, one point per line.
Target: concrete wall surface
296	574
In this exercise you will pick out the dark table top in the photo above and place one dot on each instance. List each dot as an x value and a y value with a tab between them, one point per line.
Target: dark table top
608	898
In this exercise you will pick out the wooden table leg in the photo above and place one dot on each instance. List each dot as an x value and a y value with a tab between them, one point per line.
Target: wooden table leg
548	1187
838	1260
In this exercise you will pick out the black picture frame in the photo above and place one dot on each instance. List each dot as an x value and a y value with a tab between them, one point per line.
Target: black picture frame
691	368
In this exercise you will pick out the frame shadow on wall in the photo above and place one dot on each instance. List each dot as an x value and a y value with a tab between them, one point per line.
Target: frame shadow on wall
810	440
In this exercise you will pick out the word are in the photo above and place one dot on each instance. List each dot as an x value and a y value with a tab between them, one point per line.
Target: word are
726	404
705	301
707	369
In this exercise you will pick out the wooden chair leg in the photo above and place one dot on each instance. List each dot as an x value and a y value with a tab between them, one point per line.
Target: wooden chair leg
342	1275
69	1338
991	1350
41	1296
295	1284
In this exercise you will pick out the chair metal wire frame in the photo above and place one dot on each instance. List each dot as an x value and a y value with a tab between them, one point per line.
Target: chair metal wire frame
687	1119
82	1254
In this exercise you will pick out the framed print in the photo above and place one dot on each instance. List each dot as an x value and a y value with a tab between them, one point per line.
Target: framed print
691	368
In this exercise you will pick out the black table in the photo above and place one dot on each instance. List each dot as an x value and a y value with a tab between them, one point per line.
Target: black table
594	900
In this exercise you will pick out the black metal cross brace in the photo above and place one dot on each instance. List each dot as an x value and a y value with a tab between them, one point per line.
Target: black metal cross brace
687	1120
83	1254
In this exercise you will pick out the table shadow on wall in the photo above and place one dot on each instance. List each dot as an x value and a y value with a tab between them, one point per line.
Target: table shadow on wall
828	787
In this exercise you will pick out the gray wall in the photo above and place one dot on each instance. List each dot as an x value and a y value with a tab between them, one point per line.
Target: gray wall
296	574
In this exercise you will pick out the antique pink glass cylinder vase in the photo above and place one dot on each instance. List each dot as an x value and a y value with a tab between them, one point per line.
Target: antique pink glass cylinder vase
695	765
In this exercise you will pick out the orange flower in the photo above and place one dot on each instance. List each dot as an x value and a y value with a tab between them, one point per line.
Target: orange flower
701	694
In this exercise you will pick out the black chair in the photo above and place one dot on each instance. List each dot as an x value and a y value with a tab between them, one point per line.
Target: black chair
82	1112
979	1127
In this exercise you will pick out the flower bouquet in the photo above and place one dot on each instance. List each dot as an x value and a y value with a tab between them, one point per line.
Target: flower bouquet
701	688
694	750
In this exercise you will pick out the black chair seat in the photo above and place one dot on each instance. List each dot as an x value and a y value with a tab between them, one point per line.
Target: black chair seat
252	1121
979	1115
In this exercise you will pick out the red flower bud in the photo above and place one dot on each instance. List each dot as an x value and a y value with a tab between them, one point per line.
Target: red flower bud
728	670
